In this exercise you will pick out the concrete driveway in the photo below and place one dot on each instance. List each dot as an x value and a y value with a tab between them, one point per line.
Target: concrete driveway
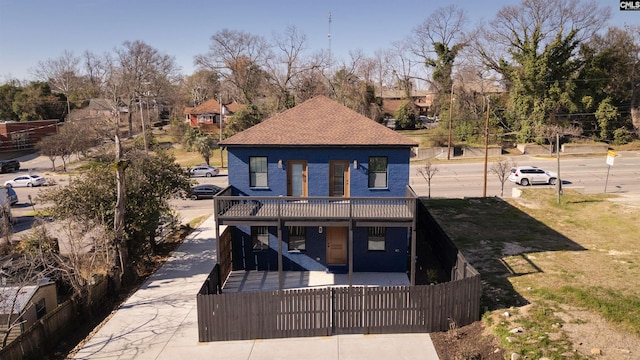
160	322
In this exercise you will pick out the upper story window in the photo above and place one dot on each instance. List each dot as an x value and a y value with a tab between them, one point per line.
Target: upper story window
378	171
258	171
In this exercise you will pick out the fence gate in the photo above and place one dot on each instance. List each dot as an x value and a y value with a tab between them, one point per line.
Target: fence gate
340	310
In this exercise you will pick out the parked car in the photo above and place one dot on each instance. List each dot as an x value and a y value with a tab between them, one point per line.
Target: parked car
25	180
13	197
204	170
527	175
205	191
9	166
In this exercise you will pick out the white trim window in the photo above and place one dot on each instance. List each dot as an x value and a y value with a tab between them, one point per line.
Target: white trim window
297	238
376	238
378	167
258	171
259	238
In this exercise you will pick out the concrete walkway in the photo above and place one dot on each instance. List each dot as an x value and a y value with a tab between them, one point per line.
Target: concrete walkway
160	322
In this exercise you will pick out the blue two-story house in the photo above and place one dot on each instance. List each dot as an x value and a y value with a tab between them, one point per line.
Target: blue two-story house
319	187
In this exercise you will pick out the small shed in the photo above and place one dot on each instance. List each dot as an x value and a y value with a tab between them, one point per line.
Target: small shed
25	305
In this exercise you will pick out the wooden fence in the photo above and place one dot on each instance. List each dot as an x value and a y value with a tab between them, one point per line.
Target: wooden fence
41	338
339	310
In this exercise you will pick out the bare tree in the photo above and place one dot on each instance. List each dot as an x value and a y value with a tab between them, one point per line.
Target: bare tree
60	73
436	43
71	251
288	64
239	58
516	25
48	146
144	70
428	171
502	169
119	263
201	86
95	70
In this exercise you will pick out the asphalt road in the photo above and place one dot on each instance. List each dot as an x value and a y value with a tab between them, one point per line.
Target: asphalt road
586	174
454	179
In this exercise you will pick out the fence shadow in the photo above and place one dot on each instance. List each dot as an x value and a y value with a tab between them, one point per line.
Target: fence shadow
495	237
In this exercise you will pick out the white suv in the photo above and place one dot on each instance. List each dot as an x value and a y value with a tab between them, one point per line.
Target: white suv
527	175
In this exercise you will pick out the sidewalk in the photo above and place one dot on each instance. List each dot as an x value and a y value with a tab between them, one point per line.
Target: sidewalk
160	322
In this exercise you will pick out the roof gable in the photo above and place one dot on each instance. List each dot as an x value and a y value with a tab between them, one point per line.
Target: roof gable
319	121
210	106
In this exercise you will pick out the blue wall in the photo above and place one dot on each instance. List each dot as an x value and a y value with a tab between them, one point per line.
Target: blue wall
393	259
318	169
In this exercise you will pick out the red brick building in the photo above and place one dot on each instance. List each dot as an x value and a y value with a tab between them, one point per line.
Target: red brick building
22	135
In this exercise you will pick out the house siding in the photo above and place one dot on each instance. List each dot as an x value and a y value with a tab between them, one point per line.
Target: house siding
392	259
318	170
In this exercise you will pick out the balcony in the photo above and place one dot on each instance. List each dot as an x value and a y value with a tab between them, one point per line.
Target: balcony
239	210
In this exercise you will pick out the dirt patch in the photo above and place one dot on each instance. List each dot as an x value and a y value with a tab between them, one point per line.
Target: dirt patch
471	342
590	332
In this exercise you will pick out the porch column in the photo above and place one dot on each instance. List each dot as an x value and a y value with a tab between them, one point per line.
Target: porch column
413	252
280	274
350	250
215	214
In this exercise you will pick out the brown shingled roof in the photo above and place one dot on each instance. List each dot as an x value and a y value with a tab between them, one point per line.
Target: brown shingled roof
210	106
319	121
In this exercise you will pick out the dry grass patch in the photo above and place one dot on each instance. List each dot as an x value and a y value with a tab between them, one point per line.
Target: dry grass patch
583	253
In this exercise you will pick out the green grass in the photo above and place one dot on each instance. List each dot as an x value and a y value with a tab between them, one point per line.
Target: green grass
581	253
541	336
615	307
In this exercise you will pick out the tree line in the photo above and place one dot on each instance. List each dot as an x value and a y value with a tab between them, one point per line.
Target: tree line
545	66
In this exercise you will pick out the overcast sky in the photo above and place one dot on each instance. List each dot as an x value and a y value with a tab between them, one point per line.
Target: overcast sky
35	30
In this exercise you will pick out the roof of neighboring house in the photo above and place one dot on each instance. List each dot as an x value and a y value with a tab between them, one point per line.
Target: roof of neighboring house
319	121
400	94
211	106
234	107
22	295
390	106
100	104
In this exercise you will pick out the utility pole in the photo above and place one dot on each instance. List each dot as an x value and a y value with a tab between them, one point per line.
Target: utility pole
450	121
559	180
329	38
486	147
144	132
221	121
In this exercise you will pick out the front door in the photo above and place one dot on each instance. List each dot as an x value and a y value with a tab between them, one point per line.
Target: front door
296	178
339	178
337	245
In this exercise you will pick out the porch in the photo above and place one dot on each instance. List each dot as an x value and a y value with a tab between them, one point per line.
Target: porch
249	281
348	213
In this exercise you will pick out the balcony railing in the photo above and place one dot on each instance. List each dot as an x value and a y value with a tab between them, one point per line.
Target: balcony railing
269	208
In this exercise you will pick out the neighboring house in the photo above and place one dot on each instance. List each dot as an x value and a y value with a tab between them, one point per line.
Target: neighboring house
25	305
206	116
20	135
97	109
392	99
319	187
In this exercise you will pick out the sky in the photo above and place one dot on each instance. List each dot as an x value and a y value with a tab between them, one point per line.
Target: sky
36	30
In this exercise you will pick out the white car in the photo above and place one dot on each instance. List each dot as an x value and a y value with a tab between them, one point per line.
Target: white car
25	180
204	170
528	175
